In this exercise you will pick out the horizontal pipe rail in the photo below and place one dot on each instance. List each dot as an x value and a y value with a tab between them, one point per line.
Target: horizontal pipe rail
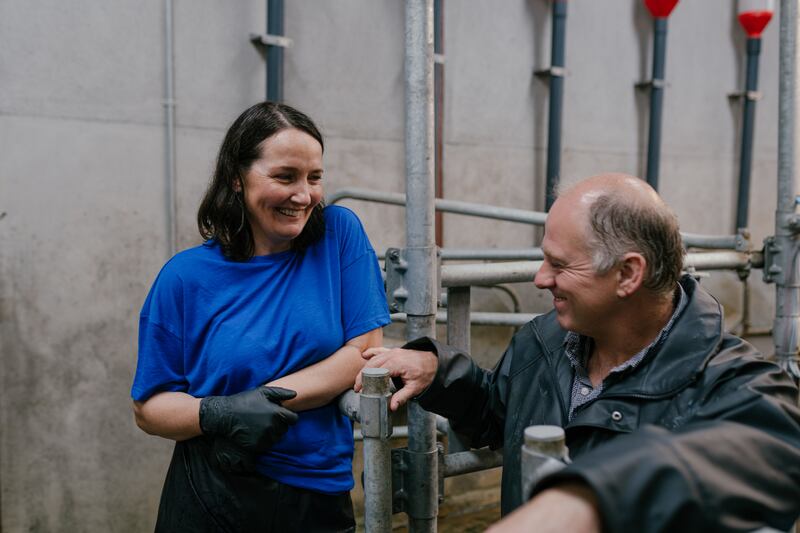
479	318
718	242
448	206
478	254
459	463
482	274
536	218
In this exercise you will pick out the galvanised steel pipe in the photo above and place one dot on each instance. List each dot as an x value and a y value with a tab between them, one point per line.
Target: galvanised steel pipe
523	216
557	53
787	290
448	206
481	318
524	271
660	9
275	16
420	250
459	463
376	430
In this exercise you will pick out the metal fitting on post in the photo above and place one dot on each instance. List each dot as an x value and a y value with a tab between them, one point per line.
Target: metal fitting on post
374	409
376	428
543	453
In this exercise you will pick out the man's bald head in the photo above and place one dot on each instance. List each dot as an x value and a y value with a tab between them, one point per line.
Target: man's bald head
624	214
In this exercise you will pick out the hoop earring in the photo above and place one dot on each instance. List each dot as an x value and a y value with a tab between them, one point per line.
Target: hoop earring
241	208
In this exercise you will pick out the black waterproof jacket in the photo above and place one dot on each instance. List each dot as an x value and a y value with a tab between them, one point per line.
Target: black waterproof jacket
708	438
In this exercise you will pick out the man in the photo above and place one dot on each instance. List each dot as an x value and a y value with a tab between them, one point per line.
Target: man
671	423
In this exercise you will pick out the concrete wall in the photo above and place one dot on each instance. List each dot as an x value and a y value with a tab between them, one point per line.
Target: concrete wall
82	180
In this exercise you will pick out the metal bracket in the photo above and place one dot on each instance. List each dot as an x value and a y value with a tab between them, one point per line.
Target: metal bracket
397	293
551	72
402	465
743	240
651	84
747	95
773	272
375	419
266	39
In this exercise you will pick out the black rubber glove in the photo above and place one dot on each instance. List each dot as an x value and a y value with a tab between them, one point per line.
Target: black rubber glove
252	419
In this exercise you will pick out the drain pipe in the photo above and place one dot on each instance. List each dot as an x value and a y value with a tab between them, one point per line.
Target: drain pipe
660	9
782	253
420	250
557	53
754	17
169	127
275	16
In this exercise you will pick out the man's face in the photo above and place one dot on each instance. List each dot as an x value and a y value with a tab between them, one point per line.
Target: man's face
584	300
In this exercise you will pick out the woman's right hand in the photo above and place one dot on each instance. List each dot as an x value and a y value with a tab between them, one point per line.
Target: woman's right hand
253	419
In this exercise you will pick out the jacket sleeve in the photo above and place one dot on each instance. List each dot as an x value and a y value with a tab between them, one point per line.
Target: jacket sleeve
734	465
472	398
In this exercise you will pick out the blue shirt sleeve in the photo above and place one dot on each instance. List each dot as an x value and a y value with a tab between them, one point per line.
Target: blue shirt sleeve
160	363
363	297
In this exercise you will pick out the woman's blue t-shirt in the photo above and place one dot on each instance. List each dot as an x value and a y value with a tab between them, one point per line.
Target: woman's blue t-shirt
211	326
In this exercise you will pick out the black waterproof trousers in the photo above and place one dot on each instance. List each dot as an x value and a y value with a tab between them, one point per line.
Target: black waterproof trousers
199	497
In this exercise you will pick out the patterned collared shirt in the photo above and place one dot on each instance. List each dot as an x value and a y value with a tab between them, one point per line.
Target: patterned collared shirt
578	348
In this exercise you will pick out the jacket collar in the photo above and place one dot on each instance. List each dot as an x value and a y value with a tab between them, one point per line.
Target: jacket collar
694	338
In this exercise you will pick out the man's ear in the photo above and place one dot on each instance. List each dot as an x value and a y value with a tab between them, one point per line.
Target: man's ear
237	185
630	274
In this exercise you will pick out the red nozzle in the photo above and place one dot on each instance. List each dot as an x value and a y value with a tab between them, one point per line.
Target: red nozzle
754	22
660	8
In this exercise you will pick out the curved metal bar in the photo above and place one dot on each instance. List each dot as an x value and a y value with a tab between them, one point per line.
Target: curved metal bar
480	318
690	240
524	271
448	206
472	461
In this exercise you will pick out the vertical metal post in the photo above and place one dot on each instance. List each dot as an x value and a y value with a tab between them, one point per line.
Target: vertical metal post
543	452
748	125
787	245
420	249
274	53
376	428
656	99
557	54
458	335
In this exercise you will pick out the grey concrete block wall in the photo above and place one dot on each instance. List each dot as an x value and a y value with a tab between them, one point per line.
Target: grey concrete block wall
82	180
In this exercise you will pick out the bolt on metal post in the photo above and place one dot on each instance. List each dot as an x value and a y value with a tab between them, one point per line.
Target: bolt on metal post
376	426
544	451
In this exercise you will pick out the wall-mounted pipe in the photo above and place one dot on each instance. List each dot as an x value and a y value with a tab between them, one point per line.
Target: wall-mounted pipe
438	111
753	18
555	76
275	16
556	73
660	9
169	126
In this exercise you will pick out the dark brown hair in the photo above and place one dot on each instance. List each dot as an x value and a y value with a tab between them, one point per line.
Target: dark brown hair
222	216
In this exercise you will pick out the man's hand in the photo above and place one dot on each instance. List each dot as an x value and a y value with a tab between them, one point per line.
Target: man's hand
416	370
568	507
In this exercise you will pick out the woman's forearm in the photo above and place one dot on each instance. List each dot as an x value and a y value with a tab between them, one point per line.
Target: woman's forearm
172	415
320	383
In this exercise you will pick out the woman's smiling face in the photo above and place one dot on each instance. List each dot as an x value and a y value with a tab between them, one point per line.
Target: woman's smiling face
281	188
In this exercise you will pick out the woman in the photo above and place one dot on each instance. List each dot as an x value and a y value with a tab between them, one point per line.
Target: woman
284	293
